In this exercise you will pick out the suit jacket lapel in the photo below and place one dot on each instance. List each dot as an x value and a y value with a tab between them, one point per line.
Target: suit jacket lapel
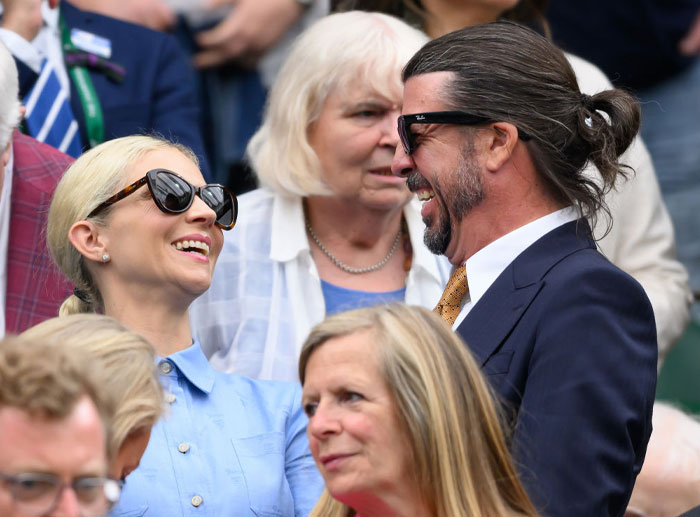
494	316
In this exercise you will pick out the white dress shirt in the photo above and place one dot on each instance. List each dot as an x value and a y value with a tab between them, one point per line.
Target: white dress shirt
486	265
266	292
5	212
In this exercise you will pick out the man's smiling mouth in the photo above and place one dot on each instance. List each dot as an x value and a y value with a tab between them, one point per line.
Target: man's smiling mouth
425	194
417	184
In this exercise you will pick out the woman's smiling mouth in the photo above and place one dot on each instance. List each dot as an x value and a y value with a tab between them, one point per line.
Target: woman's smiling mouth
196	244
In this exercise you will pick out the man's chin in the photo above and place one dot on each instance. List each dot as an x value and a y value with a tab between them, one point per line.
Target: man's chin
437	239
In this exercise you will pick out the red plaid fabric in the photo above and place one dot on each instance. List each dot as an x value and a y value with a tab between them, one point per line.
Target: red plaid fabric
35	286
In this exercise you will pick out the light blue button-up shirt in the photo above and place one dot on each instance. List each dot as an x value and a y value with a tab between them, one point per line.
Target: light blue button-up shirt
229	446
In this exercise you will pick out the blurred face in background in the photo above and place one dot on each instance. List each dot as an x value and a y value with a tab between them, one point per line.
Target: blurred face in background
497	7
443	16
69	448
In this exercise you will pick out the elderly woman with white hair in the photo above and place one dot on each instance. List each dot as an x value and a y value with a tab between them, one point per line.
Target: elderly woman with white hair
330	229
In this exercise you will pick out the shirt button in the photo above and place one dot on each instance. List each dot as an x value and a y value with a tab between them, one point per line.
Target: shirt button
183	448
165	367
170	398
196	501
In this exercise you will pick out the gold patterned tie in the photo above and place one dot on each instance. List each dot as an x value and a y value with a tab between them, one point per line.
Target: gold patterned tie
448	306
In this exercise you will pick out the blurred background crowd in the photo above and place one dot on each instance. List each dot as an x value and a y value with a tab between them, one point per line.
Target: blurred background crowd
277	112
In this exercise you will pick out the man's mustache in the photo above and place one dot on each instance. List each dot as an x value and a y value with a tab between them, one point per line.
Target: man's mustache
415	181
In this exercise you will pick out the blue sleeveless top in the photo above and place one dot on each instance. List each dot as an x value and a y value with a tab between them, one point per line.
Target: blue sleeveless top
340	299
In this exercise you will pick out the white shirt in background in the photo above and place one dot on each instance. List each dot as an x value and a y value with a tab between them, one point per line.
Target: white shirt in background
5	205
487	264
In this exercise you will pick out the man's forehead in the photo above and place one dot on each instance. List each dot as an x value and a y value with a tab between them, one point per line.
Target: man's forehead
426	92
75	443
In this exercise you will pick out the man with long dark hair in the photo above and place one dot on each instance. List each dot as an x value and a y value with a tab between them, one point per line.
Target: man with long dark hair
495	134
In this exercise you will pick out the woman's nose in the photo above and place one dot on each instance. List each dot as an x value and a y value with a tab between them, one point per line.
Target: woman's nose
390	133
201	212
323	422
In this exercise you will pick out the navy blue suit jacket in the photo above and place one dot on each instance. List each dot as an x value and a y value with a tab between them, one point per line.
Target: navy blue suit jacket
569	343
156	95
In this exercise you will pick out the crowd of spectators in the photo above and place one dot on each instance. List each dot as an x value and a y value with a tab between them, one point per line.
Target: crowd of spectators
223	224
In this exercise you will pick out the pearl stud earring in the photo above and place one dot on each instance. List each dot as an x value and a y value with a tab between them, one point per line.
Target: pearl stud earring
105	258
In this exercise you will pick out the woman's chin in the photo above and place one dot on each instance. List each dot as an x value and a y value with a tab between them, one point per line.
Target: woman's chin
386	201
199	289
192	288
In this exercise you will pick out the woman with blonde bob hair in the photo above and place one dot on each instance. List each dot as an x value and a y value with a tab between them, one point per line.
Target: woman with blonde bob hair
137	231
129	377
401	421
330	228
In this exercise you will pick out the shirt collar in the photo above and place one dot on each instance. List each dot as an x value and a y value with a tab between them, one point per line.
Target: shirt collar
193	365
50	16
288	238
486	265
8	170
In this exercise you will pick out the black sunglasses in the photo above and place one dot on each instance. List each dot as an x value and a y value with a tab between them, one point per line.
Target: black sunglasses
461	118
174	195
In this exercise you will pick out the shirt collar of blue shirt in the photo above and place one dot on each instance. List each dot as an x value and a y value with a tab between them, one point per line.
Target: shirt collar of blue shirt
194	366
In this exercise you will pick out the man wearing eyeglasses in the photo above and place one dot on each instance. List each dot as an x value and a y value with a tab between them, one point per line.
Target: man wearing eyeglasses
53	434
495	134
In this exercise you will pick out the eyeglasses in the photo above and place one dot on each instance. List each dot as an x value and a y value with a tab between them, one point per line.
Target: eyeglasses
461	118
38	494
173	194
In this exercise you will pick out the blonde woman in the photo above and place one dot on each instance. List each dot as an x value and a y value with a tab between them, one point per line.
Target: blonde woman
129	378
401	421
136	230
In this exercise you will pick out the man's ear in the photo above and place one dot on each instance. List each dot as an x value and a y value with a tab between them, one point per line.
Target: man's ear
85	236
500	144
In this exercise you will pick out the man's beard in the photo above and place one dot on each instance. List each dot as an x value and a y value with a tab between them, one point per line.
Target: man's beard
463	192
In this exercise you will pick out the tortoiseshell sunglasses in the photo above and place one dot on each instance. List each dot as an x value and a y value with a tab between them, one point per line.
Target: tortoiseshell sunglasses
173	194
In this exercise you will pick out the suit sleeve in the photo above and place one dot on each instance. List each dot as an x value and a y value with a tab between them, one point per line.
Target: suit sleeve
585	415
176	113
303	477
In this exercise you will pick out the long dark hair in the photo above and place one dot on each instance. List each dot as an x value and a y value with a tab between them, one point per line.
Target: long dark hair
505	71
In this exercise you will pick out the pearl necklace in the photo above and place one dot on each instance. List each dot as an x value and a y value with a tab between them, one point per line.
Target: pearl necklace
345	267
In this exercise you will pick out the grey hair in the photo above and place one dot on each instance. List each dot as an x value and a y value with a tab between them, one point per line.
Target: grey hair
334	53
507	72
